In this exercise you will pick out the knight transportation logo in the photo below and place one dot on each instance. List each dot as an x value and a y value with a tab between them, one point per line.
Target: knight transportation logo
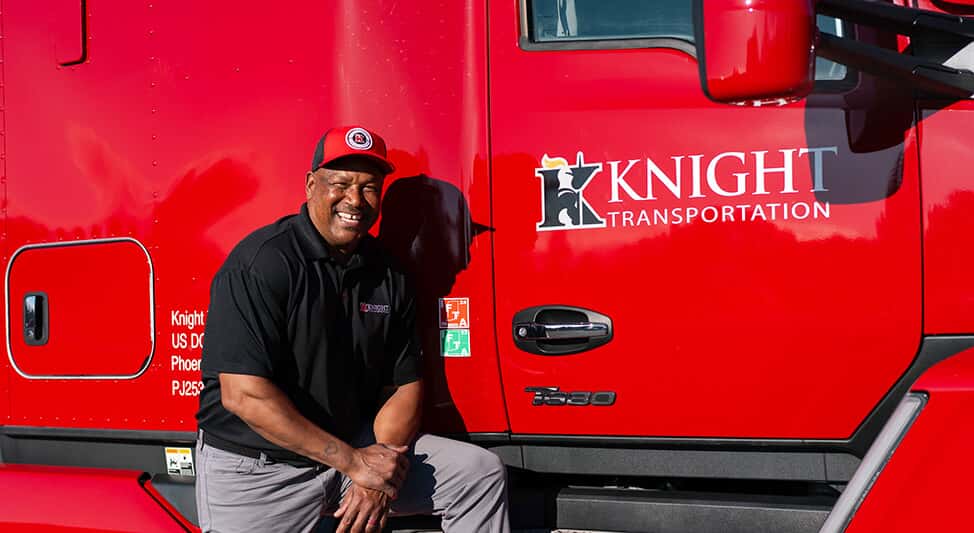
725	187
563	204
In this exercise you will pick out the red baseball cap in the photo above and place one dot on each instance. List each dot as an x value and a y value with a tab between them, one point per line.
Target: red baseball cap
350	141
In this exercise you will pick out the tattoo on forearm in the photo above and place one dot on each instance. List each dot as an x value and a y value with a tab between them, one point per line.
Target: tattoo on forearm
331	448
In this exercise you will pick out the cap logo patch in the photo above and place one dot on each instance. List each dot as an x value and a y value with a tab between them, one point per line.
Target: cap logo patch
358	139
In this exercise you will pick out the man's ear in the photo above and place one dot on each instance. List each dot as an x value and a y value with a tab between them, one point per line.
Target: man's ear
309	182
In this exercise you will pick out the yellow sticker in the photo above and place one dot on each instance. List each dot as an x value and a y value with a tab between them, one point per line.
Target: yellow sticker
179	462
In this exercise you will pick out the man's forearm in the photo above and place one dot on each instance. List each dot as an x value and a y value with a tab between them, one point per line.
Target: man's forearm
269	412
398	420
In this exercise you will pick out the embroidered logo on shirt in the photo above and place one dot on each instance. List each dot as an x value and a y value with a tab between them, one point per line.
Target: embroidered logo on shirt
375	308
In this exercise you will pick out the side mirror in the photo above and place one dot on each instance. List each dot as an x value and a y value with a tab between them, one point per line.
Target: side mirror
753	51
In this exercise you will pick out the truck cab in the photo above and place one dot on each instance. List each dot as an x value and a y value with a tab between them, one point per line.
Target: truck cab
677	271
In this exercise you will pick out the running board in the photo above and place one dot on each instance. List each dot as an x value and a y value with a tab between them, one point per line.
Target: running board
647	511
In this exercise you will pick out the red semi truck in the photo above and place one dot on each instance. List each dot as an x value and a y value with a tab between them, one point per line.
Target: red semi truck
665	312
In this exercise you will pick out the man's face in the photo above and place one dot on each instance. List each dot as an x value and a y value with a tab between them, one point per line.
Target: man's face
343	201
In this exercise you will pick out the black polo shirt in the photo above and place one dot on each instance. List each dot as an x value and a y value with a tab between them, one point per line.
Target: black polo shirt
329	335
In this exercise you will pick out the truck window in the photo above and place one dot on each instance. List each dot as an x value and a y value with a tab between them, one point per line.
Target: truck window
825	69
587	20
593	24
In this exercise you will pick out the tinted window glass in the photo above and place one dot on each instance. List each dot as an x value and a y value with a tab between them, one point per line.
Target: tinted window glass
583	20
825	69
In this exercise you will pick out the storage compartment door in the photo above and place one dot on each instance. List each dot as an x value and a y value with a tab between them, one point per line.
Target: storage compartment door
80	310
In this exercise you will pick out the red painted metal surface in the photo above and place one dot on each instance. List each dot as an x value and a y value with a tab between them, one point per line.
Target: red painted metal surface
191	124
50	499
99	299
948	201
723	328
771	54
927	481
188	151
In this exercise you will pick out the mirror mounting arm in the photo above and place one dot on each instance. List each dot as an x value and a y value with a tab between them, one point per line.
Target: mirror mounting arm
902	20
928	75
932	76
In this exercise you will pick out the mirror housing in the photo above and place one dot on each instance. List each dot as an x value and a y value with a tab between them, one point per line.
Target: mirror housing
755	51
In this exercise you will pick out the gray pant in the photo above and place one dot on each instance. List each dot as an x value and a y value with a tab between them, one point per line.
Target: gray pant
463	484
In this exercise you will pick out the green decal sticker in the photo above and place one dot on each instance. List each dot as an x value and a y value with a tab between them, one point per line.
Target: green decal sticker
455	342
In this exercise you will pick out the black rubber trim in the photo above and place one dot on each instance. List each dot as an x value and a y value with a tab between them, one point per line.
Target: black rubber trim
483	438
179	491
933	350
118	435
613	441
699	49
129	450
146	477
686	458
698	464
510	454
840	466
676	512
84	37
526	44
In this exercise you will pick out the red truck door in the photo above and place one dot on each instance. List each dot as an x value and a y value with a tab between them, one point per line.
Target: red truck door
667	266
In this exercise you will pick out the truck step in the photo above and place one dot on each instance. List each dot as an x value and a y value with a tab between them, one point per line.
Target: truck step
650	511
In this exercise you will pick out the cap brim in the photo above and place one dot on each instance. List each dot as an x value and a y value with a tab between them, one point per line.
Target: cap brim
384	164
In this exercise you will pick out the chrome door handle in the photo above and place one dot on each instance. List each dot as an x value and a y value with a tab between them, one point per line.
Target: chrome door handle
533	331
560	330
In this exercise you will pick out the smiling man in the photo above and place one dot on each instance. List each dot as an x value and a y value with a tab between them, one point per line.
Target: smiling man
309	323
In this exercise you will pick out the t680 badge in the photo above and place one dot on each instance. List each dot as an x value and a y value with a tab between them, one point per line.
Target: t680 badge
555	396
